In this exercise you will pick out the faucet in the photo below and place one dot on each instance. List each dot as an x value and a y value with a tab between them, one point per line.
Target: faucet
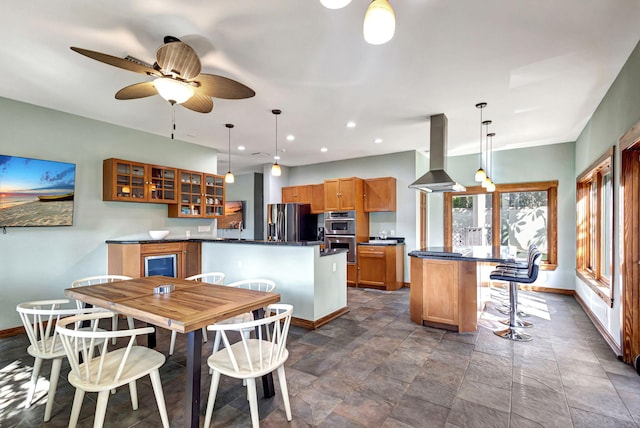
240	230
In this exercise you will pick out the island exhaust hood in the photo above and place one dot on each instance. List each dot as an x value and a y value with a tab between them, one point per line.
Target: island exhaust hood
436	179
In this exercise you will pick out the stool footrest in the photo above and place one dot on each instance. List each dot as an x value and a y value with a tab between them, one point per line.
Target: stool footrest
513	334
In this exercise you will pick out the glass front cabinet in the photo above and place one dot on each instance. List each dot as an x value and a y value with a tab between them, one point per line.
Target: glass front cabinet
200	195
127	181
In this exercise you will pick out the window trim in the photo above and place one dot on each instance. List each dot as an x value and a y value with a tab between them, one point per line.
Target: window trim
602	286
551	187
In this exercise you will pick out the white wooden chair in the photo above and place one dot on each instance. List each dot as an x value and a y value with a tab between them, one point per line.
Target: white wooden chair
249	358
111	369
38	319
209	278
257	284
101	279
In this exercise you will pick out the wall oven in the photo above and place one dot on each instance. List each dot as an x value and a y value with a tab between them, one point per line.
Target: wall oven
348	242
340	223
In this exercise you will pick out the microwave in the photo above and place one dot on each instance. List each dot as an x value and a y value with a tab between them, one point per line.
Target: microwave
340	223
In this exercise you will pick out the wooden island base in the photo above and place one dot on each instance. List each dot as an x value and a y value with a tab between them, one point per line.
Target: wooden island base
445	294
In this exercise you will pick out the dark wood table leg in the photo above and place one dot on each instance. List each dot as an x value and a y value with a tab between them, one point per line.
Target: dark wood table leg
267	379
151	337
192	392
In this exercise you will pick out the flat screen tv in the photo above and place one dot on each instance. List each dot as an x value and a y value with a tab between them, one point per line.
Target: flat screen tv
36	192
233	215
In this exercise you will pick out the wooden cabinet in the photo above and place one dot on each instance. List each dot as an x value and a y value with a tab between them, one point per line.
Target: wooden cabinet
381	266
312	194
352	274
317	198
200	195
127	181
343	194
128	259
380	194
444	294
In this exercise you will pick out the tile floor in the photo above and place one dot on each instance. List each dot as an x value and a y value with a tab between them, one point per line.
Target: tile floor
374	368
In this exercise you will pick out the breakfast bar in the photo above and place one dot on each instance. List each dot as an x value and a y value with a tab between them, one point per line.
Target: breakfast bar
445	290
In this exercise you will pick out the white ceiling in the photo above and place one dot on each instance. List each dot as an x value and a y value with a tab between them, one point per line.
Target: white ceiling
542	66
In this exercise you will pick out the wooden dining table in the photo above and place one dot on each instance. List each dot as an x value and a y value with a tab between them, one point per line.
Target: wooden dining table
186	309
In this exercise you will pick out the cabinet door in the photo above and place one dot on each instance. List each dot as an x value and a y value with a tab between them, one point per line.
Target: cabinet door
347	193
303	194
288	194
331	190
123	181
190	194
380	194
213	198
372	266
440	296
352	274
317	198
162	184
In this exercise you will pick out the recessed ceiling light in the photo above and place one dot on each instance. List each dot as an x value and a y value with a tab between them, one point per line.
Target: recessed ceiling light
378	140
276	157
291	137
240	148
323	150
351	124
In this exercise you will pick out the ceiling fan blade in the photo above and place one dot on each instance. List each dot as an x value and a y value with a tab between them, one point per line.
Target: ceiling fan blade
179	58
199	102
222	87
137	90
115	61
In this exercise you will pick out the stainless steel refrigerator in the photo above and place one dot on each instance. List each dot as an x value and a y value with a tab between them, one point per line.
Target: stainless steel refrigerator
291	223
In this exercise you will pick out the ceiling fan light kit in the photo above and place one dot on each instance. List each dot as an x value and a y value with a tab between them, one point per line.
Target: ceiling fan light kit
173	90
379	23
335	4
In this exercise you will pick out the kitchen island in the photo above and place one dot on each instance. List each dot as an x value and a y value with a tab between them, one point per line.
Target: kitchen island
314	282
445	288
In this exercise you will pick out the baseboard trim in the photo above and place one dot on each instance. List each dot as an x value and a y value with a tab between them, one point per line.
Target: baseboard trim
9	332
312	325
596	322
527	287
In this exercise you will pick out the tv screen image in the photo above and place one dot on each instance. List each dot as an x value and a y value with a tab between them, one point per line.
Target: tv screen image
36	192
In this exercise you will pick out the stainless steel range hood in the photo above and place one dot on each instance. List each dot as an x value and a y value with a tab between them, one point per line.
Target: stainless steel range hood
437	179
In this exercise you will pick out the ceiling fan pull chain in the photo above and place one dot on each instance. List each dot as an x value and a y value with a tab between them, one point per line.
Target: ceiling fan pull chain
173	120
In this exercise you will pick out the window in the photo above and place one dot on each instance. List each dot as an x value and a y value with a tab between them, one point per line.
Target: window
594	232
516	215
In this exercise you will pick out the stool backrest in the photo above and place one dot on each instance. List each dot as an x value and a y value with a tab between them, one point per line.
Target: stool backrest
534	265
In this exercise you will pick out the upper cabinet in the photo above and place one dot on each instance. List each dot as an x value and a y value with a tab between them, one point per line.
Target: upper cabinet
308	194
128	181
200	195
380	194
343	194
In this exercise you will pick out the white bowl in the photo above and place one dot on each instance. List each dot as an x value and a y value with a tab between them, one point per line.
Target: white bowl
158	234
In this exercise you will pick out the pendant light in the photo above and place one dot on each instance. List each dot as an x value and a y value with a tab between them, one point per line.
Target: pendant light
492	186
487	180
379	22
229	178
276	171
335	4
480	173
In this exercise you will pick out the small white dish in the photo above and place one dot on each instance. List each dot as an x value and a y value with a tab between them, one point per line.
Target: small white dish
158	234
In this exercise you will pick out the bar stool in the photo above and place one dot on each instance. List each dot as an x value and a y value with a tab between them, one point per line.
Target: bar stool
515	276
522	266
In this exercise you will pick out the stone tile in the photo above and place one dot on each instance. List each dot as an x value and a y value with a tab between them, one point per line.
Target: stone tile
481	358
585	419
485	395
540	405
597	400
498	376
456	347
367	409
393	423
384	386
334	420
631	400
569	366
538	379
312	407
625	383
468	414
398	370
432	391
416	412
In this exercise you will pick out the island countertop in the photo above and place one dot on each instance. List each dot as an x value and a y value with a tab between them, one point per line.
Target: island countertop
216	240
468	253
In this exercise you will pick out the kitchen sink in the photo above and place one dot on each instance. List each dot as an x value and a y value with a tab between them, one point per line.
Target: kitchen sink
383	241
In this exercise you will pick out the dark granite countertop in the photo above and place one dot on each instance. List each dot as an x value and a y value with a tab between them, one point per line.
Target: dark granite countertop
333	251
471	253
213	240
390	240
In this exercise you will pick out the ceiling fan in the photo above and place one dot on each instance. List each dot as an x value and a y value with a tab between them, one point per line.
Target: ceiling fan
177	77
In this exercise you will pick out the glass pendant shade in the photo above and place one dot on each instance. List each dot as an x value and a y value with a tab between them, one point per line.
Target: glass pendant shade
229	178
480	175
486	182
276	171
491	187
335	4
379	23
172	90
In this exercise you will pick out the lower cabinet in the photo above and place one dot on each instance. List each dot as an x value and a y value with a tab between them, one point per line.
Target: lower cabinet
381	266
352	274
182	259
